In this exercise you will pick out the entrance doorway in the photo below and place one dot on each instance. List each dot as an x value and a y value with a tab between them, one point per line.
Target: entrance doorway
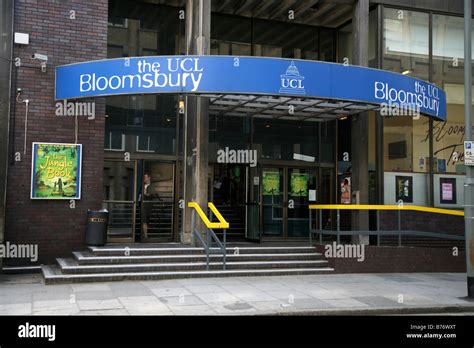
269	202
284	196
139	213
227	183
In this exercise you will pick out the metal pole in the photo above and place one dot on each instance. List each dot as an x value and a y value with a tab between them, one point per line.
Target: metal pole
469	185
225	246
208	246
378	227
310	232
338	227
399	228
320	226
193	226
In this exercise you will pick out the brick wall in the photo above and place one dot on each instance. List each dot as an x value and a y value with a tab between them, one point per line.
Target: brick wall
55	227
400	259
421	221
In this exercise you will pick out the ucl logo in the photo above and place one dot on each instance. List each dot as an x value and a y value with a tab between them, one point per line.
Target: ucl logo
292	81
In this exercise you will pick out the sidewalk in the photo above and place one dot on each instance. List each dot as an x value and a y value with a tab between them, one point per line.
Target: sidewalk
311	294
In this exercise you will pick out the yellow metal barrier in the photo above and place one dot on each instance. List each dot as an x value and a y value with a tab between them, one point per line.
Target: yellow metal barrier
386	207
221	224
378	232
210	235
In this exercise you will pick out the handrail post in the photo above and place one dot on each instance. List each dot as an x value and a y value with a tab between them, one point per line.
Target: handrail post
225	247
193	223
399	228
338	226
310	231
378	227
320	226
209	244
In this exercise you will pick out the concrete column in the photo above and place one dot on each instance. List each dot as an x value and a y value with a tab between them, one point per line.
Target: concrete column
360	122
196	122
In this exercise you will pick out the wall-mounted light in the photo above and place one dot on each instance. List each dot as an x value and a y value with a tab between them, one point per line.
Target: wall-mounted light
22	39
342	118
406	72
181	106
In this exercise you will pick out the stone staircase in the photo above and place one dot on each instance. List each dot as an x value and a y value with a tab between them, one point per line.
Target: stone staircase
173	260
235	216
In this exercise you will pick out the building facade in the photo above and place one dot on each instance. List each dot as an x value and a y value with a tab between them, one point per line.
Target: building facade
289	163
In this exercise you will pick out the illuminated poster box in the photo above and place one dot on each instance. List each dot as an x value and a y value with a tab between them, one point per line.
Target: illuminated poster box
56	171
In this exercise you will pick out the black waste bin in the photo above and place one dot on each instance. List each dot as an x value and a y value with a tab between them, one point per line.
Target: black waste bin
96	230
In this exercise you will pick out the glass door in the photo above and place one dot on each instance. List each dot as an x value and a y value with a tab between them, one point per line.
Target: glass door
156	201
119	192
252	204
272	189
302	187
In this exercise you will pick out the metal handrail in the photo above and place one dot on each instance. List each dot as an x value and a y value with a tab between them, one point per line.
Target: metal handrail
399	208
221	224
386	207
210	234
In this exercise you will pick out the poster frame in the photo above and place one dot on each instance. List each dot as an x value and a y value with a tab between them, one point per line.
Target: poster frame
78	174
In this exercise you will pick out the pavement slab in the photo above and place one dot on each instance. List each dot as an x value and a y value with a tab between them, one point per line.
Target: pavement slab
307	294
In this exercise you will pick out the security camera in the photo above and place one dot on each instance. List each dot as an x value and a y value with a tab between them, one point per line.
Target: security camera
39	56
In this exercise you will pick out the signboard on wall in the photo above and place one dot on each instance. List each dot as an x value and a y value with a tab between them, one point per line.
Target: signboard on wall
299	184
447	189
247	75
271	183
56	171
346	190
469	153
404	189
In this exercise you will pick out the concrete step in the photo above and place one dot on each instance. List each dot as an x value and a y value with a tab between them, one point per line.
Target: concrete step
171	249
85	258
53	275
71	266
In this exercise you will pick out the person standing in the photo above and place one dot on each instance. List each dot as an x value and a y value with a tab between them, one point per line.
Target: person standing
147	205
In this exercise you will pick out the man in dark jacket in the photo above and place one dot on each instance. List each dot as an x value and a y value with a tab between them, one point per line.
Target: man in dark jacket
148	195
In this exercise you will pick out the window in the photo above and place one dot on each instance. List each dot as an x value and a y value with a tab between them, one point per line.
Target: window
143	123
448	73
232	35
406	42
277	139
114	141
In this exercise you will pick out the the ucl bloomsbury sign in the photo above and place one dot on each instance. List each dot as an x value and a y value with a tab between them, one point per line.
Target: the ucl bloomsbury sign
247	75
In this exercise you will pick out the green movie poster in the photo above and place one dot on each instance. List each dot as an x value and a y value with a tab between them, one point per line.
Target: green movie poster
271	183
56	171
299	185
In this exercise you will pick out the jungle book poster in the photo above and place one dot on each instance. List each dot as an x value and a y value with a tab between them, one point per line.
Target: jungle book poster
271	183
299	184
56	171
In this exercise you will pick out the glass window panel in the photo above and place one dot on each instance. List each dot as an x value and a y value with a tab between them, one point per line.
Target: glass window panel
327	49
344	46
278	139
148	122
406	45
448	73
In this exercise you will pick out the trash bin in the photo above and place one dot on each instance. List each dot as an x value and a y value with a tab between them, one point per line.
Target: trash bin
96	230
